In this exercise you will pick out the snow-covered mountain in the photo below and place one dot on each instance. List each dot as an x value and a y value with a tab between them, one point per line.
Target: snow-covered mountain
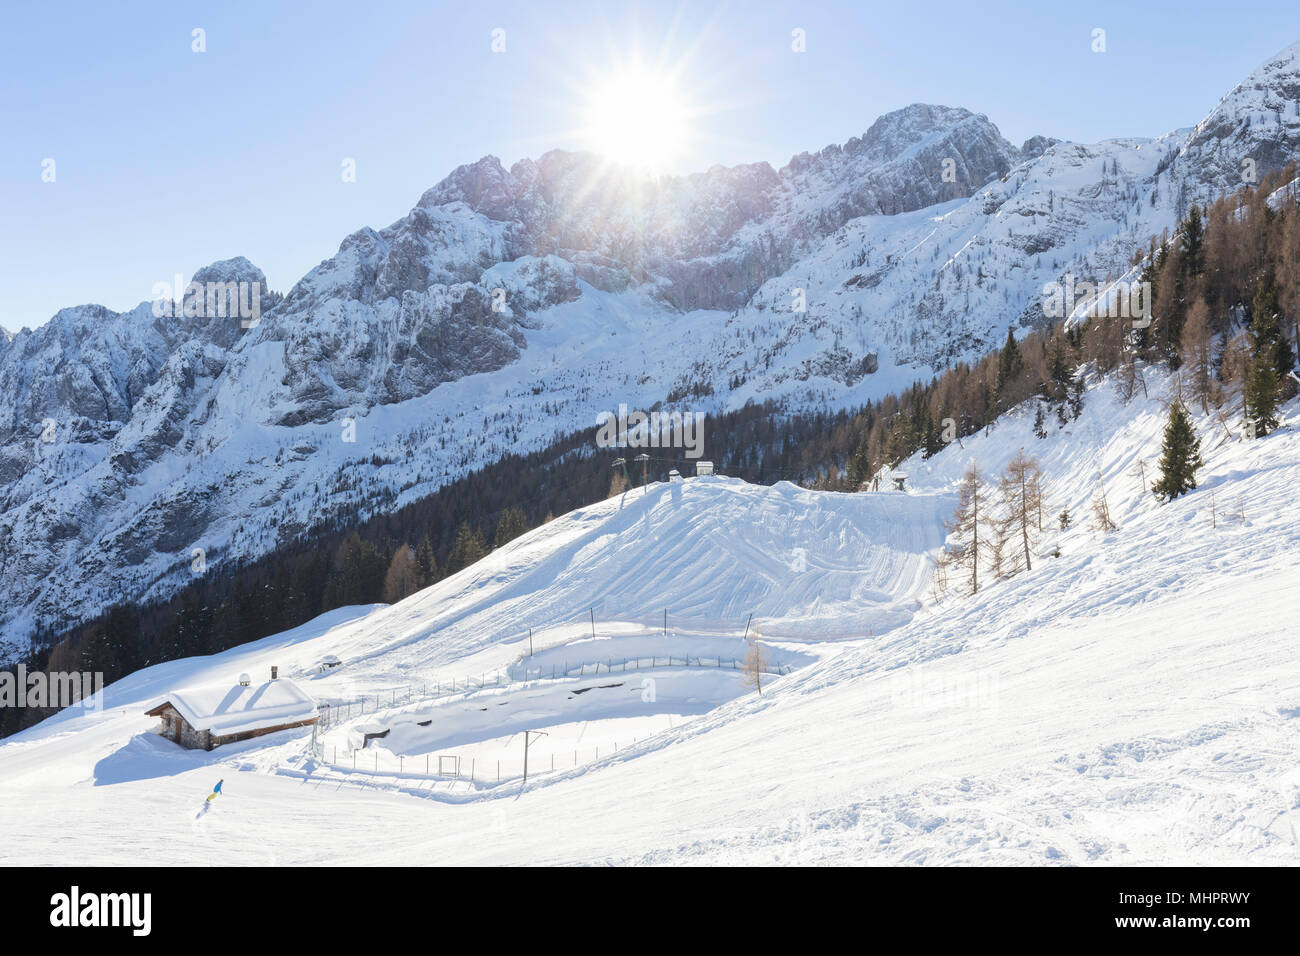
511	306
1131	700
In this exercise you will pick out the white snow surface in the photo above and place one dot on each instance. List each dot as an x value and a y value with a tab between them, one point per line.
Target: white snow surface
1133	701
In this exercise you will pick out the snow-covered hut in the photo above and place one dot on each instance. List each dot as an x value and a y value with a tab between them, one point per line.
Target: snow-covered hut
201	718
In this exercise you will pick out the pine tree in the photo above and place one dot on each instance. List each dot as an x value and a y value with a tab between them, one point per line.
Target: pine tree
426	563
511	525
1010	363
467	548
1266	327
1040	429
1262	396
1270	359
1180	456
1193	246
1060	372
1076	395
931	441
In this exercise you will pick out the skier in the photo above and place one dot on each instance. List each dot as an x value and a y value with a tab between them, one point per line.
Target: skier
215	790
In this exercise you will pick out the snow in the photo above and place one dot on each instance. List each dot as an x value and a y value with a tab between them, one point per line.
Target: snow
236	708
1132	701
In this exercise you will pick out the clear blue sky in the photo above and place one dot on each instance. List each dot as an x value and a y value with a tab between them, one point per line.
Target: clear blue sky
168	159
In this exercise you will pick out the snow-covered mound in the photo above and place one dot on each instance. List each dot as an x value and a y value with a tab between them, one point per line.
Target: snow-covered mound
1132	700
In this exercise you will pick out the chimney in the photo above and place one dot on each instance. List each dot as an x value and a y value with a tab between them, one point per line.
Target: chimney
275	673
244	680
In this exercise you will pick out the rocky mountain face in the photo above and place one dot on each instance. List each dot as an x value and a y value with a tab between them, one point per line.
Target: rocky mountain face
709	240
513	305
1255	128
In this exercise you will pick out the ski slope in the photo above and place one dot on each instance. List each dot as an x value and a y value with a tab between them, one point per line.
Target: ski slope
1134	700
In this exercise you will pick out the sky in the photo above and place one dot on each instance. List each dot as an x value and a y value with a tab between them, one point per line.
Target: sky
166	158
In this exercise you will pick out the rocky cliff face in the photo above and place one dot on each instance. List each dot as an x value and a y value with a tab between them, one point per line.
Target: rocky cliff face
1255	128
511	305
711	239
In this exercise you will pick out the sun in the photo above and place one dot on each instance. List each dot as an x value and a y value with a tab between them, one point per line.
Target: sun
637	117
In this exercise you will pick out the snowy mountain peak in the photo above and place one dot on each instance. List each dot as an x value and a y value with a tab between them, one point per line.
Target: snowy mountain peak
238	269
1253	129
1035	146
484	186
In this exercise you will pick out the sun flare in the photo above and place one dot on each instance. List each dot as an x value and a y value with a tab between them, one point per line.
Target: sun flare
637	118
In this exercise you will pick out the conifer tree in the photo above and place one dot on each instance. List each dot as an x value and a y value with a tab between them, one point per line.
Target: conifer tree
1270	359
1262	396
1060	371
426	563
1180	456
1266	327
467	548
1193	246
1076	395
1010	362
510	526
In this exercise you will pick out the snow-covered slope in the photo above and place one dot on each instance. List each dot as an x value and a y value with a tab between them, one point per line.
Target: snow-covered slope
1133	700
511	306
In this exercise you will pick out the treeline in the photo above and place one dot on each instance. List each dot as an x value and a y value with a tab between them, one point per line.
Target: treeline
1224	305
969	397
1227	299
